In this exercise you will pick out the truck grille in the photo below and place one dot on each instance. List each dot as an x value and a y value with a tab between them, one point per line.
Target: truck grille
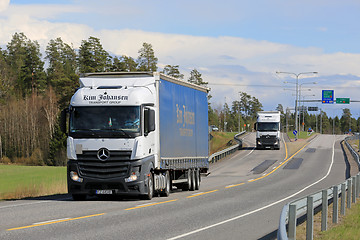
116	165
267	139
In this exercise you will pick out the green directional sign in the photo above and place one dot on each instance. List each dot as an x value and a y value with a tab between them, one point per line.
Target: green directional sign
343	100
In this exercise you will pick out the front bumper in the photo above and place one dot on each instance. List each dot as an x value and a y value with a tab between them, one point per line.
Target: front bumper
89	183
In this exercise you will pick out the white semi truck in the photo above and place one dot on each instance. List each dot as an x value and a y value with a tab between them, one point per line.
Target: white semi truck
267	129
135	134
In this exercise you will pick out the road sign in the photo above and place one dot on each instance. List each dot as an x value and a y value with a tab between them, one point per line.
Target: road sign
295	132
327	96
313	109
343	100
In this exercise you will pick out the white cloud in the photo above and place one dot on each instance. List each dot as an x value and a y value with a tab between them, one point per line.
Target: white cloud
4	4
245	63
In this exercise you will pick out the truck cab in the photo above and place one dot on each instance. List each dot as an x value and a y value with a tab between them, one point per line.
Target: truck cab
267	129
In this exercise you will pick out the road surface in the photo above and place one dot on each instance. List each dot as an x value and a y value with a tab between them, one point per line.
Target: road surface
241	199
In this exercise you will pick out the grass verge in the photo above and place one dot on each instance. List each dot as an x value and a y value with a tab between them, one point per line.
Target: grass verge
348	229
348	224
220	141
31	181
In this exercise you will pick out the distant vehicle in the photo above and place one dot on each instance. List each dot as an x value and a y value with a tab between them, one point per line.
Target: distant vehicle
268	130
135	134
214	128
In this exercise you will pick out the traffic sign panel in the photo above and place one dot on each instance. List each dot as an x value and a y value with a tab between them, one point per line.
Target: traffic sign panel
343	100
327	96
313	109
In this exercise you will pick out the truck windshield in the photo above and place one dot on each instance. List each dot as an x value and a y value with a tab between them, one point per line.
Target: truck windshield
105	121
268	126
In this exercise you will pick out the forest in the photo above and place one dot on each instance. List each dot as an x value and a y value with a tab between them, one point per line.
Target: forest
36	86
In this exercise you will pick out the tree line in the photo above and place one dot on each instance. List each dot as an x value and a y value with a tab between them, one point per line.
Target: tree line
34	88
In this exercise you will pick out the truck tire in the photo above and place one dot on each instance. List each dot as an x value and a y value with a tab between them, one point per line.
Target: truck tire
150	188
166	191
192	185
197	179
186	186
79	197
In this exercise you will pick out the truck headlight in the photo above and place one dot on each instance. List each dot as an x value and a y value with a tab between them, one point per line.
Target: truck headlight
135	173
133	177
75	177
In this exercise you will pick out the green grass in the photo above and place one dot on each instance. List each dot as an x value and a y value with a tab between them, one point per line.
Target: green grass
30	181
301	135
220	140
347	229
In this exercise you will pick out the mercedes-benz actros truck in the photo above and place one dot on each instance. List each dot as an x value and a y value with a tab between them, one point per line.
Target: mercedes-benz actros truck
267	129
135	134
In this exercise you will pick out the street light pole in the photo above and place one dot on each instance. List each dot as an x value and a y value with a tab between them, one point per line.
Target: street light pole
296	100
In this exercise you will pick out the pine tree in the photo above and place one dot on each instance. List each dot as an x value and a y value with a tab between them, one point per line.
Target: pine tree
147	61
195	78
93	57
173	71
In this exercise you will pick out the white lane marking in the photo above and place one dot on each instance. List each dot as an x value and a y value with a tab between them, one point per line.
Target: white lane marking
259	209
24	204
50	221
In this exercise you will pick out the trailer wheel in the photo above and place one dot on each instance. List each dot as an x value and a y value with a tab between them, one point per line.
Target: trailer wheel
192	185
150	188
197	179
186	186
79	197
166	190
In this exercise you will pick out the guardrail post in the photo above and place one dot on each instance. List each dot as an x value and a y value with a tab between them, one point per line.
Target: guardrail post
354	189
324	210
343	195
357	185
335	204
310	218
348	193
292	222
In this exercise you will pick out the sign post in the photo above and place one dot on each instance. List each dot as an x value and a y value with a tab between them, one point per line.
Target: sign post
295	133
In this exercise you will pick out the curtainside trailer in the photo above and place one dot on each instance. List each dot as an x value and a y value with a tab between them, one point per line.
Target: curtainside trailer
136	134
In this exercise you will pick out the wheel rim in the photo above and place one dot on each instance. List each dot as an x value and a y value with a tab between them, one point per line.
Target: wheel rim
150	187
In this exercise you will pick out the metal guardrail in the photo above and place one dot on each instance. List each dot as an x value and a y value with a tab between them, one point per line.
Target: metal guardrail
223	153
354	153
348	191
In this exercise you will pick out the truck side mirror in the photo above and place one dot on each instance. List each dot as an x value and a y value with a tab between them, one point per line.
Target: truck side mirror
63	120
149	121
255	126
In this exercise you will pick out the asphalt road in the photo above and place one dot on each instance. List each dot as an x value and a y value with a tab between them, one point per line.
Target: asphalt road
241	199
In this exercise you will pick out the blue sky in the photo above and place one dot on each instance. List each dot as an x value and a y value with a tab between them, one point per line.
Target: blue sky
238	43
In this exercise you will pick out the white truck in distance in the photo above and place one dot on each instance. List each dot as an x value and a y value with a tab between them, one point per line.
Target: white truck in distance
267	129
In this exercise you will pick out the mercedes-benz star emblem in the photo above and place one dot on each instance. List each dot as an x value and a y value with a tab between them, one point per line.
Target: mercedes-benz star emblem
103	154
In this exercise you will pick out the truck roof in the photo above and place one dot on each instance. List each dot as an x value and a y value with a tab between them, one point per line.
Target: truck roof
91	79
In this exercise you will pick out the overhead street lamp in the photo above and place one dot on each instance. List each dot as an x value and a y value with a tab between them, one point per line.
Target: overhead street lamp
296	90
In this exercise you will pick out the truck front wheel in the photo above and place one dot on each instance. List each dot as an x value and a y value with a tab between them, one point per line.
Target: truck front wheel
150	187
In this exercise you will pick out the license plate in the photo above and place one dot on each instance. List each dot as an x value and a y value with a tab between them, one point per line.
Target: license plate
104	192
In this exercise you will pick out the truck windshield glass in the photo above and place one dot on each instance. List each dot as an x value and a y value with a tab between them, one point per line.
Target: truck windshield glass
268	126
105	121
